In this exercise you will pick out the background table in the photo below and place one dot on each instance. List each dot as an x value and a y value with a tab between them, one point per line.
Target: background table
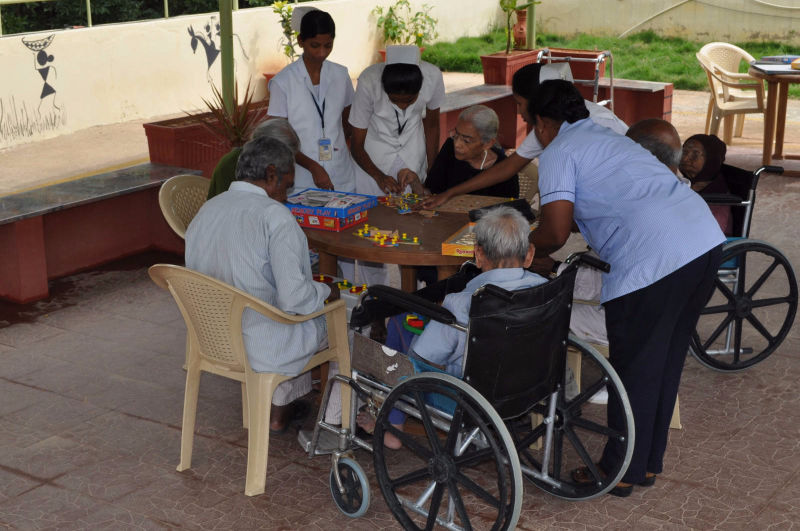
775	115
430	231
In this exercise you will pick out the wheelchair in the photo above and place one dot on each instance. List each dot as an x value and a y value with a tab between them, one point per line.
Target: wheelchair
469	443
755	282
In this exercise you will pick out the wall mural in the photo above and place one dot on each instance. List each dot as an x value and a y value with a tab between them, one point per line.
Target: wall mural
30	117
209	40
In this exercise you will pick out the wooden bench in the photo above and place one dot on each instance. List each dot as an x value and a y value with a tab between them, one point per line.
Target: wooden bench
633	101
59	229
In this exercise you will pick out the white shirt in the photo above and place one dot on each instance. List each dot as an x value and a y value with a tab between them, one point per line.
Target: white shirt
244	238
588	318
385	143
292	96
531	148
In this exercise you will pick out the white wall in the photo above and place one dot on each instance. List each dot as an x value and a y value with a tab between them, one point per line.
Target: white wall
118	72
697	20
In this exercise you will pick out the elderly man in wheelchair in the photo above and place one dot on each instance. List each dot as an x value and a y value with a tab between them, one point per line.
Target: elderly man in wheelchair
502	254
496	413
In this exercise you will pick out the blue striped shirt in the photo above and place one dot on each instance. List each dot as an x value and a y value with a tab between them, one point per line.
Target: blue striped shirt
629	207
247	239
443	344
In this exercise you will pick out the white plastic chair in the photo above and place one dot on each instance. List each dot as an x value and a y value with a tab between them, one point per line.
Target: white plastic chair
213	314
180	198
733	94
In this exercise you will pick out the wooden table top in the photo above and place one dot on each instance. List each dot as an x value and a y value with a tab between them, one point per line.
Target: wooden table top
430	231
776	77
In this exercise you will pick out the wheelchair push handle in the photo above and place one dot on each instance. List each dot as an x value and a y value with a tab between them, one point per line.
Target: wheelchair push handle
592	261
769	169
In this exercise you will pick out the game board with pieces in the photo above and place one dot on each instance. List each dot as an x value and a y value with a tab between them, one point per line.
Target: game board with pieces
386	238
462	204
350	293
403	202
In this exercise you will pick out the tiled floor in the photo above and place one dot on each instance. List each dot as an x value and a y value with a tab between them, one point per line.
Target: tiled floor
91	387
91	391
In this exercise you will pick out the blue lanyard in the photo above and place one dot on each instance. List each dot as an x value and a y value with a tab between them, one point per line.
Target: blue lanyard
399	127
321	111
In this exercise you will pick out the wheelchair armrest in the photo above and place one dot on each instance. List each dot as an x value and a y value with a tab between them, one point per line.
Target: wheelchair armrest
412	303
722	199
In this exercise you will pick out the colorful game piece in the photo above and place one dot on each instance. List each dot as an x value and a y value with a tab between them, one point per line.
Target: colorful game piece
416	240
322	278
414	323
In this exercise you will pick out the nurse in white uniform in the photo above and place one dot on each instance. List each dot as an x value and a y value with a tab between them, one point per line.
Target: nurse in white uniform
315	95
395	119
524	86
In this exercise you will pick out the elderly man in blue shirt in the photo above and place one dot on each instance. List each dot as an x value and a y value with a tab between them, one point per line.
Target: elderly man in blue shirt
663	246
502	252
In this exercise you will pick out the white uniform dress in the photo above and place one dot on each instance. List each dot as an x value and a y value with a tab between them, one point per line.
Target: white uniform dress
395	137
292	96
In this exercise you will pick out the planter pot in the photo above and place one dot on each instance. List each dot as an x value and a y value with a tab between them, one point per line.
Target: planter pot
519	31
580	69
499	68
187	143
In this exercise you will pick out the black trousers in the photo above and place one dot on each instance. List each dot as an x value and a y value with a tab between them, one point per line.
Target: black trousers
648	335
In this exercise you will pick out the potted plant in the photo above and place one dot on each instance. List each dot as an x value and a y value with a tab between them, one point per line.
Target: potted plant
284	11
198	140
499	68
400	25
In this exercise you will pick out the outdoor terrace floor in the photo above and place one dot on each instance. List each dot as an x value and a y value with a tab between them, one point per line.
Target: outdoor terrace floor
91	391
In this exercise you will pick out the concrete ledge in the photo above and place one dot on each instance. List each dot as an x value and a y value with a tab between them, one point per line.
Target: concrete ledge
60	229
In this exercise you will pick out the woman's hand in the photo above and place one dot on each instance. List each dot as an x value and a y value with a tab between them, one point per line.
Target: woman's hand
436	201
321	177
388	184
407	177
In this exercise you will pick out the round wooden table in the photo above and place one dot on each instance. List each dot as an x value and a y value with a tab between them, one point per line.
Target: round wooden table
430	231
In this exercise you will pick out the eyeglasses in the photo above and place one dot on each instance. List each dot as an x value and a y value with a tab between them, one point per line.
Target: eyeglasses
455	135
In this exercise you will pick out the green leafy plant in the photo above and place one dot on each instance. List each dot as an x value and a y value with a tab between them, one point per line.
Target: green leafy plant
509	7
284	11
400	25
236	126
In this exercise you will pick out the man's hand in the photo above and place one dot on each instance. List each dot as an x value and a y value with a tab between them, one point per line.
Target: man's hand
321	177
334	296
388	184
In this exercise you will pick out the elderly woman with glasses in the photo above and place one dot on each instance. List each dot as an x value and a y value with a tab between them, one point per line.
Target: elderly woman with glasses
471	148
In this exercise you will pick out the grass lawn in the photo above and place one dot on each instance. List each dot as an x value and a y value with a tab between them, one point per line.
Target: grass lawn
644	56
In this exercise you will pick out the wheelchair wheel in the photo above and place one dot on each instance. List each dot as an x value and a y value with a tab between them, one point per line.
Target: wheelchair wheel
751	310
354	501
458	469
580	431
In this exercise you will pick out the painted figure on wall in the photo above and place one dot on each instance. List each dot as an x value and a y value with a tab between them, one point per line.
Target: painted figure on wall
209	39
42	62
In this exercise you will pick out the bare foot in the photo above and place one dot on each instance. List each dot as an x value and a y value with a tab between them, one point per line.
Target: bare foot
367	423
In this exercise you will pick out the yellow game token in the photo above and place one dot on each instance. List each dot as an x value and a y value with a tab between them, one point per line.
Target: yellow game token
416	240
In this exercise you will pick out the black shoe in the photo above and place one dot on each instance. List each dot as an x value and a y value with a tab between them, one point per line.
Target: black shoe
648	481
621	491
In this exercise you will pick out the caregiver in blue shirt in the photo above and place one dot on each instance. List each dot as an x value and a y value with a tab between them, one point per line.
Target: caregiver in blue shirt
663	245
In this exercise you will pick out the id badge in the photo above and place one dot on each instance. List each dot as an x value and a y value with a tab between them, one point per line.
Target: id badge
325	149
